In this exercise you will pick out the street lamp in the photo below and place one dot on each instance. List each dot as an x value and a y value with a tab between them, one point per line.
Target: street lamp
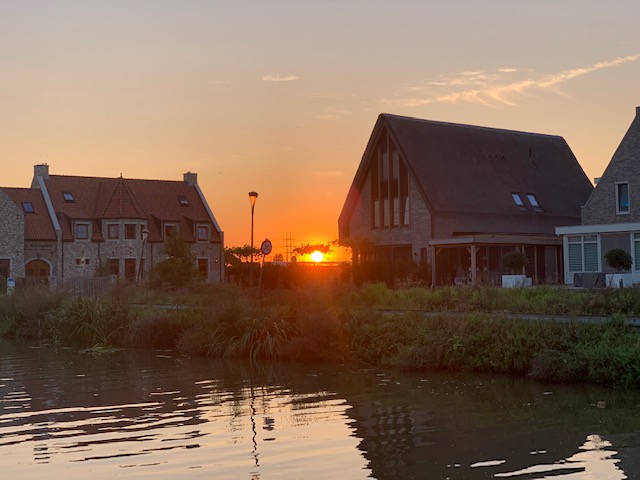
145	235
252	200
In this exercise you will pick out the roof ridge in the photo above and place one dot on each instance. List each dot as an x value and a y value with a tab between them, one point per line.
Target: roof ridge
466	125
116	178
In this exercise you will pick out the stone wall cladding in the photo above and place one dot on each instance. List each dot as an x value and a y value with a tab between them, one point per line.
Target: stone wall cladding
624	167
12	234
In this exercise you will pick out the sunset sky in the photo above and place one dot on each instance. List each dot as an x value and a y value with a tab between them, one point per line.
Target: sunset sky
280	97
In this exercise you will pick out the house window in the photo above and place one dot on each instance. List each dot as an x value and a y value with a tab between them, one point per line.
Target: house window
169	229
622	198
68	196
114	267
82	231
202	233
130	231
130	269
583	253
183	200
5	267
83	261
113	231
517	198
203	267
636	251
28	207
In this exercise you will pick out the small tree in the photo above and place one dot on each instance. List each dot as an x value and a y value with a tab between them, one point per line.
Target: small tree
618	259
514	261
178	269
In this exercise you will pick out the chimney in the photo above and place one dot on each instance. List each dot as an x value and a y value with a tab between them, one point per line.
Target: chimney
190	178
41	171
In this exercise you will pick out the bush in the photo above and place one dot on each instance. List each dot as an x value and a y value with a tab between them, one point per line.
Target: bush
618	259
514	261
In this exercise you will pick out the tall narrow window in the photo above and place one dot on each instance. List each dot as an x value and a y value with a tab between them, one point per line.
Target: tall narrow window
622	198
636	251
130	231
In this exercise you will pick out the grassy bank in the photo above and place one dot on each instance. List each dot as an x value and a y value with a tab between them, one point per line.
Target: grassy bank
341	323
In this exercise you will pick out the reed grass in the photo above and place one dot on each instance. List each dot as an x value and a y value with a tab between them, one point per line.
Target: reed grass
466	329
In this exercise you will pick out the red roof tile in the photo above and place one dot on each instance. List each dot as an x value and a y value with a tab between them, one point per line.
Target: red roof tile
37	225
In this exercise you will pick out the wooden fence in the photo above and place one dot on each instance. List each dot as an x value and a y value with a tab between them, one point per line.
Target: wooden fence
84	287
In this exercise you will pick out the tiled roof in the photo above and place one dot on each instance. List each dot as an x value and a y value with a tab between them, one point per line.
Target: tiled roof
158	201
38	224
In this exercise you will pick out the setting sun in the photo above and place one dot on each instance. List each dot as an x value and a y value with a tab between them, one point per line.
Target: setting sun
317	256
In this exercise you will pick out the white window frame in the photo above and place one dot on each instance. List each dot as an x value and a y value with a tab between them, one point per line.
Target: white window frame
584	244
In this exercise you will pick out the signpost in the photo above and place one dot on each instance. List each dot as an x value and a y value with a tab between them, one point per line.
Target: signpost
11	285
265	248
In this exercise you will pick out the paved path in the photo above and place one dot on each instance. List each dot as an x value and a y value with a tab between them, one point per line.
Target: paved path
631	321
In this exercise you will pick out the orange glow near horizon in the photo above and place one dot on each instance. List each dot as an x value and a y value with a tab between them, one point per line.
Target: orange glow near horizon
256	96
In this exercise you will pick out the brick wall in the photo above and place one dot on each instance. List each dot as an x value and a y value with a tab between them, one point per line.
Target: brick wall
417	234
624	167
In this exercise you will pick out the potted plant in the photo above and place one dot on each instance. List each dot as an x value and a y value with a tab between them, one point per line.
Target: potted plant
514	261
620	261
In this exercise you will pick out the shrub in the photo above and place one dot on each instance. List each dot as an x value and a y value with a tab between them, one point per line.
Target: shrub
618	259
514	261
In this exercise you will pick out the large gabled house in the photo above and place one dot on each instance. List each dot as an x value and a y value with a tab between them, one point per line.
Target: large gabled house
610	218
67	226
458	197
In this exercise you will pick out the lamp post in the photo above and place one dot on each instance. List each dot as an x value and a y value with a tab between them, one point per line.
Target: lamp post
145	235
252	199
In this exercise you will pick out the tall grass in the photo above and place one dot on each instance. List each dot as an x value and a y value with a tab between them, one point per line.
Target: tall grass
465	330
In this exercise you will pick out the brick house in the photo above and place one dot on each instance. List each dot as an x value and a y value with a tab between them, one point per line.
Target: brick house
610	217
459	196
70	226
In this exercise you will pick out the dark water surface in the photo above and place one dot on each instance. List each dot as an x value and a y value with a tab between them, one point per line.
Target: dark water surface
68	414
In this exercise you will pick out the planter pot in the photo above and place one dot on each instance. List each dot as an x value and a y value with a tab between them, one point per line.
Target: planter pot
516	281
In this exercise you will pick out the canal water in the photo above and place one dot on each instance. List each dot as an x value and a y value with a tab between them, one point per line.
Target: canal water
73	414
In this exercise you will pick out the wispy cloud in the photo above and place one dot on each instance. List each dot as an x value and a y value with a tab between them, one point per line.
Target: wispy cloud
499	87
276	77
334	112
329	174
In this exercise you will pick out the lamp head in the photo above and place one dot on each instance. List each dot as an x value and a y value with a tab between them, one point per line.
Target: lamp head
252	198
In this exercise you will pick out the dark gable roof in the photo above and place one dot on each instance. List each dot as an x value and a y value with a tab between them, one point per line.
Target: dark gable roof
464	168
469	169
98	198
37	225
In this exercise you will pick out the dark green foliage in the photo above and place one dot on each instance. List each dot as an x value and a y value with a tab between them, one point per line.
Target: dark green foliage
618	259
514	261
178	270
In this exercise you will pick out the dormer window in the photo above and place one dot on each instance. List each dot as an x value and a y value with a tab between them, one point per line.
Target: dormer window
202	233
28	207
68	197
517	198
82	231
622	198
169	230
183	200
